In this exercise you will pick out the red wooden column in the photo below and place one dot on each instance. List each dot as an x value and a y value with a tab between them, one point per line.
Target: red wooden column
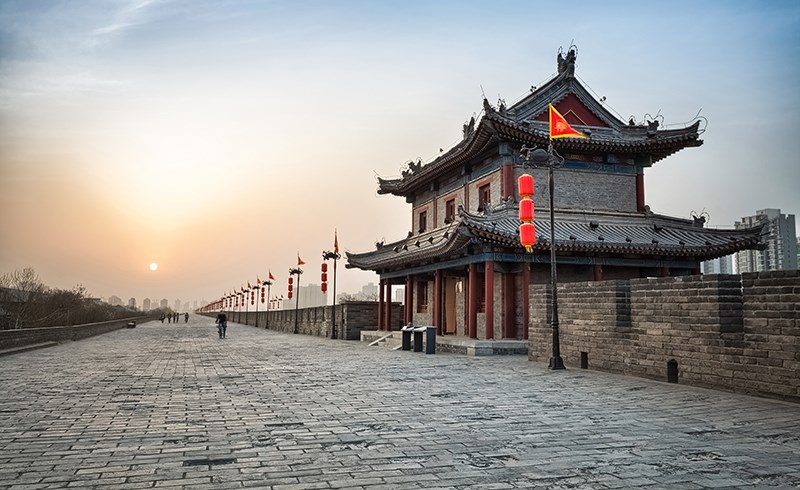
409	316
388	310
509	300
437	302
472	302
380	305
640	191
526	282
489	298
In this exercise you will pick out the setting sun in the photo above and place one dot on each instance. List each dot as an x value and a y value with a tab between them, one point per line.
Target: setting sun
153	266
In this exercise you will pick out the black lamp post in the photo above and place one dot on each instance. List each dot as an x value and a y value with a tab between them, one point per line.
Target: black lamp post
550	159
256	288
296	271
335	256
267	283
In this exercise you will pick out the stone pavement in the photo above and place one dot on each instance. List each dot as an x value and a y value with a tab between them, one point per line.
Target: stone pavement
173	406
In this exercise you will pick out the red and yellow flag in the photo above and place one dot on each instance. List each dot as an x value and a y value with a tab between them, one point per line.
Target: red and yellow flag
335	242
560	128
271	277
299	260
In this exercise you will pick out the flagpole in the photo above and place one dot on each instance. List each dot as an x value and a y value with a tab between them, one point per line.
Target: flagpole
257	287
296	271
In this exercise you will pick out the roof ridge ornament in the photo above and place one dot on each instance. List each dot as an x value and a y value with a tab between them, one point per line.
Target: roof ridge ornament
566	64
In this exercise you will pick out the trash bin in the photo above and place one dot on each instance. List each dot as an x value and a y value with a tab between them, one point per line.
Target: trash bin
430	340
418	331
406	332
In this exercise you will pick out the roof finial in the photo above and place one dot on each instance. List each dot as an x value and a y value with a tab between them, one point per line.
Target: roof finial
566	64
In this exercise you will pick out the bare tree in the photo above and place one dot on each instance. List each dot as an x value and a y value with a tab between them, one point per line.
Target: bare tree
20	291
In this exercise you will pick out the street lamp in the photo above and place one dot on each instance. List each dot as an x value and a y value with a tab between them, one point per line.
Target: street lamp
335	256
550	159
296	271
268	283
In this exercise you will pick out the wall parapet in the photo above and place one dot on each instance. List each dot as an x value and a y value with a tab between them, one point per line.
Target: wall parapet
738	333
351	318
11	339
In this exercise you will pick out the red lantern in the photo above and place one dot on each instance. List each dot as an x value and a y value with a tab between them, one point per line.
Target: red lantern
324	277
526	210
291	279
289	295
324	287
290	288
527	235
525	183
324	267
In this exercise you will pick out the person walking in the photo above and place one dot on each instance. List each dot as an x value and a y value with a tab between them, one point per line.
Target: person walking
186	317
222	324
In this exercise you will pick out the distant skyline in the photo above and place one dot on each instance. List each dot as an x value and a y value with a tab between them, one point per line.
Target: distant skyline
220	139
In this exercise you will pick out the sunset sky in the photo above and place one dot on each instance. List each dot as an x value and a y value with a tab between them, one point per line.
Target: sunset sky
220	138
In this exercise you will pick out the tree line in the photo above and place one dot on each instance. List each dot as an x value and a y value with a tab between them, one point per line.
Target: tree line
26	302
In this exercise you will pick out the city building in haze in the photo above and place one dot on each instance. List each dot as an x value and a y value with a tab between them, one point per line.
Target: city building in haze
163	304
114	301
309	295
132	303
146	304
721	265
779	239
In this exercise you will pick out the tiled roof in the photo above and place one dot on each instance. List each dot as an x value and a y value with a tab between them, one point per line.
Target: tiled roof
617	233
584	232
633	140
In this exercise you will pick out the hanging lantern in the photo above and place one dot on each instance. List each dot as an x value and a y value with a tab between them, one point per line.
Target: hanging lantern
527	236
324	277
526	210
262	296
289	295
527	230
291	279
324	287
525	183
324	267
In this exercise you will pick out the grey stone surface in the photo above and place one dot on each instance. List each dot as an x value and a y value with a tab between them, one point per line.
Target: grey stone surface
166	405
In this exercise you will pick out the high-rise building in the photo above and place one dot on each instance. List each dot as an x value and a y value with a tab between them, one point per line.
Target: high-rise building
132	303
177	305
721	265
310	296
115	301
779	238
164	304
146	304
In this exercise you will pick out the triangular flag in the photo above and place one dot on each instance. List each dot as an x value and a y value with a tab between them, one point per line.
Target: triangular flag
299	260
271	277
258	281
249	286
560	128
335	242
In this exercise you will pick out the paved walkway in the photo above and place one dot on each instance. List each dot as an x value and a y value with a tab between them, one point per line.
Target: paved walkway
173	406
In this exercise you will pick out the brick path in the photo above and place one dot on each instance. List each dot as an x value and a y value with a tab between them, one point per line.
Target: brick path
173	406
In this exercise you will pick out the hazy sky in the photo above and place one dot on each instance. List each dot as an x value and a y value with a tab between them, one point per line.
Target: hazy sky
219	138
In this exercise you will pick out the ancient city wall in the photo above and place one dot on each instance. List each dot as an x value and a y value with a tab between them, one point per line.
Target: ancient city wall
351	318
12	339
739	333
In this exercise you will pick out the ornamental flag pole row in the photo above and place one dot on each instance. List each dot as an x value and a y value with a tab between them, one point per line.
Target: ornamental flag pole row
236	299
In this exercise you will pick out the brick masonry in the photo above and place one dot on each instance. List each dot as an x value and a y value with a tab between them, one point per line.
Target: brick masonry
351	318
11	339
738	333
